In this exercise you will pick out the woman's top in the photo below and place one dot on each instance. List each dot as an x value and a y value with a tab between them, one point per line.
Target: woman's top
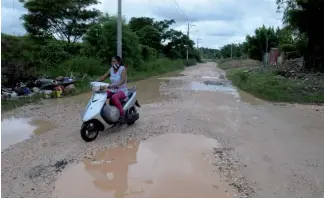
116	77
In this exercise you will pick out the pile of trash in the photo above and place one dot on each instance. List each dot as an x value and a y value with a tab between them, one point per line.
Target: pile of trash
291	65
47	87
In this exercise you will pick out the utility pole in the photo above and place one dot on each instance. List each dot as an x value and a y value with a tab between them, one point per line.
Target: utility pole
241	52
119	29
198	39
231	51
188	31
267	43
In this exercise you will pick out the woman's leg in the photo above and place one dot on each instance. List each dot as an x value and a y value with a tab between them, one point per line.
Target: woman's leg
109	94
115	99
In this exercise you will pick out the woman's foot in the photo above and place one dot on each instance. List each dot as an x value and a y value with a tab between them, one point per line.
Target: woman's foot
121	119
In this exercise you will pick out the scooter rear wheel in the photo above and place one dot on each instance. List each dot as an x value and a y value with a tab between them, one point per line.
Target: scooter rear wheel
132	116
89	131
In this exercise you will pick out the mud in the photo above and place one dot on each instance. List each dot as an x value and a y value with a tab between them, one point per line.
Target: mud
169	165
259	149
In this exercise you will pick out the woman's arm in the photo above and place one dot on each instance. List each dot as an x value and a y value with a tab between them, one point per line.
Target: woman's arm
105	76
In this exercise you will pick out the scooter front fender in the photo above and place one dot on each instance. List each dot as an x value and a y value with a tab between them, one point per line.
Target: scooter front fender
94	107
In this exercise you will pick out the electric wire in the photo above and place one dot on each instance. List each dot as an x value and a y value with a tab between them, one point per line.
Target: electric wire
181	10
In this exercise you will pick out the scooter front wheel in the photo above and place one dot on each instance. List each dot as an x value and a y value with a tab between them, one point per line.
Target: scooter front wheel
89	131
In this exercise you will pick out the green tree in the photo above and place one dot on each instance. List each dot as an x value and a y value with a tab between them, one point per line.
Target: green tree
178	44
301	15
164	28
137	23
208	53
263	40
100	41
149	36
232	50
66	20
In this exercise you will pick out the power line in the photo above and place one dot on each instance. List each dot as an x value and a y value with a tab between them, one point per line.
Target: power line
189	25
180	9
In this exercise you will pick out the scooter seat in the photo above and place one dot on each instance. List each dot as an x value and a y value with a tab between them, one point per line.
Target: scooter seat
130	94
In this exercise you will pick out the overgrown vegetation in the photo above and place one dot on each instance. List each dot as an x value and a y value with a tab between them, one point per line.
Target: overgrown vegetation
269	85
226	64
67	37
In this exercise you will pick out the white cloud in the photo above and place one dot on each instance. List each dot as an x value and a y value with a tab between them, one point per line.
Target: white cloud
217	22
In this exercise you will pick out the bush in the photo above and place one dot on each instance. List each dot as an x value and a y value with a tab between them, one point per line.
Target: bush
190	62
148	53
18	60
52	54
154	67
267	85
226	64
81	65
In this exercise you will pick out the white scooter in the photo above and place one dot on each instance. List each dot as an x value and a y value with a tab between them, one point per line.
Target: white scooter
100	116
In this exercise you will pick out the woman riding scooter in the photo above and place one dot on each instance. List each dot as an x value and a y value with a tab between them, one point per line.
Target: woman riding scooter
118	78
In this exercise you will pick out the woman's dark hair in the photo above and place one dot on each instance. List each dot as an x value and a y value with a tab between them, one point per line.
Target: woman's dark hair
119	59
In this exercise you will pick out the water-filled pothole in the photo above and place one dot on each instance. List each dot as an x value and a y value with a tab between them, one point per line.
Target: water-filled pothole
222	87
169	165
15	130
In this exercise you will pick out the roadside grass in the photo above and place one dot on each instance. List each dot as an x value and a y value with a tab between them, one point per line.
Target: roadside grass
147	69
226	64
267	84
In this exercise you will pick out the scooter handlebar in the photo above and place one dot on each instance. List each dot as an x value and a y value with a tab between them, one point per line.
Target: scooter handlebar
98	86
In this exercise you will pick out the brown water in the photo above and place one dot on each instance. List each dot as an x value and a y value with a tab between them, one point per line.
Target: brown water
15	130
169	165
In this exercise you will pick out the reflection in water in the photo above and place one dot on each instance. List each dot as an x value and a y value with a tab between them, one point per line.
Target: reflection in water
15	130
110	168
170	165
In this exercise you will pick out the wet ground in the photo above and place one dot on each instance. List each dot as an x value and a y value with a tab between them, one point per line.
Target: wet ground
197	136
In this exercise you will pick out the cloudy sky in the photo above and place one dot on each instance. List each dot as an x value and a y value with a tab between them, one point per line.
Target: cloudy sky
217	22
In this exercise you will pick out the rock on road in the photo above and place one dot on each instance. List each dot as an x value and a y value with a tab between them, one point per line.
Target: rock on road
256	150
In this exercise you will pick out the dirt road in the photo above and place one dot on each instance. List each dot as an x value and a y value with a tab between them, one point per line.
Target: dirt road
197	136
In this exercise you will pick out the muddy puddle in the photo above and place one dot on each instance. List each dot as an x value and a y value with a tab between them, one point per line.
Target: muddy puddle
169	165
213	86
149	91
15	130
